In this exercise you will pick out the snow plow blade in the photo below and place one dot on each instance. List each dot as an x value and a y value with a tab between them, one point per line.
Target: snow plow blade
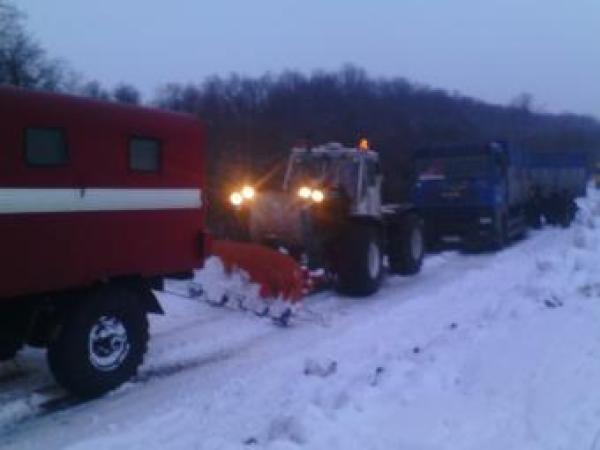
279	276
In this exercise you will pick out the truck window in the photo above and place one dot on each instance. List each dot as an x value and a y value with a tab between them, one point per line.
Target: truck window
144	154
46	147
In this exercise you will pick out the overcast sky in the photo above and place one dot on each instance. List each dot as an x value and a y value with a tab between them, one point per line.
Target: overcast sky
491	49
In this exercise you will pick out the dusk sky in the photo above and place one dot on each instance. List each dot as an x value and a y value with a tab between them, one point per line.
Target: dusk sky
493	49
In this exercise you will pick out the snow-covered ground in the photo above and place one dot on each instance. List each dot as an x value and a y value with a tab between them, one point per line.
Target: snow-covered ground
490	351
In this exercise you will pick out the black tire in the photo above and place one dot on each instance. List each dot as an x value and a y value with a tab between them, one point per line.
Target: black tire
568	212
11	335
359	269
500	238
100	342
407	246
8	350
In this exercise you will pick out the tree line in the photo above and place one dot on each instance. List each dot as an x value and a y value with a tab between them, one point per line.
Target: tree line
252	122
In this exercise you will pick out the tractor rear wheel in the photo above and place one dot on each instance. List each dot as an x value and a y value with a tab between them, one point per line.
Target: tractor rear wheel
407	246
360	267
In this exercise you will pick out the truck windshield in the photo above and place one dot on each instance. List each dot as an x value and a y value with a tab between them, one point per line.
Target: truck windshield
456	167
323	171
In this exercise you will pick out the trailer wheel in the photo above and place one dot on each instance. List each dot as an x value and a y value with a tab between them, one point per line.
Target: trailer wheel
100	343
407	247
360	267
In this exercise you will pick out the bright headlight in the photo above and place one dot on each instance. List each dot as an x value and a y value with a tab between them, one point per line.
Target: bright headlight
248	192
236	199
304	192
317	196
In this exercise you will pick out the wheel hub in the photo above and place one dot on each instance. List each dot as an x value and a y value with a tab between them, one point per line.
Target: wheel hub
108	343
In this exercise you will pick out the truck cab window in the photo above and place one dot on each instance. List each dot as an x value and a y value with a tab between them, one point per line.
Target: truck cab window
46	147
144	154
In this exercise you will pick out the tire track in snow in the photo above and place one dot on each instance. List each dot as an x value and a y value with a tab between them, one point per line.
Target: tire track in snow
51	399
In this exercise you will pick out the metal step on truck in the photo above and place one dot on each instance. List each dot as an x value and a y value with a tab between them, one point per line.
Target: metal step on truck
486	195
330	217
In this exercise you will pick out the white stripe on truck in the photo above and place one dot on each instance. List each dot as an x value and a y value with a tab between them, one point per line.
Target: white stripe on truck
49	200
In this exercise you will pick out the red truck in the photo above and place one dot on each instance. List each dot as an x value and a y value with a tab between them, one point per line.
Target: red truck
98	201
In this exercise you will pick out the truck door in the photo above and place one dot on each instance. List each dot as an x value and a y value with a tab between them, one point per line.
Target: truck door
369	203
500	180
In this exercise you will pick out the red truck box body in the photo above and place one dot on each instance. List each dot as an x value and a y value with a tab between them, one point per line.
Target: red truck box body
94	217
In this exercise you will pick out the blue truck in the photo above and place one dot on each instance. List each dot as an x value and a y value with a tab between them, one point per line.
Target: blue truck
487	195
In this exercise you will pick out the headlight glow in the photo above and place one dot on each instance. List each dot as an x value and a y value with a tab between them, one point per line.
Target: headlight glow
317	196
248	192
236	199
304	192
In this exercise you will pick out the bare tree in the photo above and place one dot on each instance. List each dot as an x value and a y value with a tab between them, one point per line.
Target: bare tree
23	62
523	102
126	93
93	89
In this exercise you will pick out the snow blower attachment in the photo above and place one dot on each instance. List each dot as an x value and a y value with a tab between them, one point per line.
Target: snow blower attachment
279	281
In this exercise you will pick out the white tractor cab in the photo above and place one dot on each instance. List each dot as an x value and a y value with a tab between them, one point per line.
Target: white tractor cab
329	215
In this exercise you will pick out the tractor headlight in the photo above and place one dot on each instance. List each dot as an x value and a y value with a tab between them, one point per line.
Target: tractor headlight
236	199
317	196
305	192
248	192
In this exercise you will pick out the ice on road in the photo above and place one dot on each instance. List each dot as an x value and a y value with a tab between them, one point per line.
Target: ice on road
488	351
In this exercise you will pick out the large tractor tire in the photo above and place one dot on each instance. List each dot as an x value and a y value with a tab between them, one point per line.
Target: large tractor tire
100	342
407	246
359	269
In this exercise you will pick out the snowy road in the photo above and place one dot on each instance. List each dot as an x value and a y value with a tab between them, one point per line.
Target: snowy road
494	351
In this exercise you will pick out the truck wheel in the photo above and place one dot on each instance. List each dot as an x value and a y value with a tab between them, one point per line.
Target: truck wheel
500	238
568	212
100	343
407	247
14	322
8	350
360	268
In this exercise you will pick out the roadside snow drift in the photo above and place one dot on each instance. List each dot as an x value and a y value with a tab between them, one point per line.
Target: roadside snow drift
492	351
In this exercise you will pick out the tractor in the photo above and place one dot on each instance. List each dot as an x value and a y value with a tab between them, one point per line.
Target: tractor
329	216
